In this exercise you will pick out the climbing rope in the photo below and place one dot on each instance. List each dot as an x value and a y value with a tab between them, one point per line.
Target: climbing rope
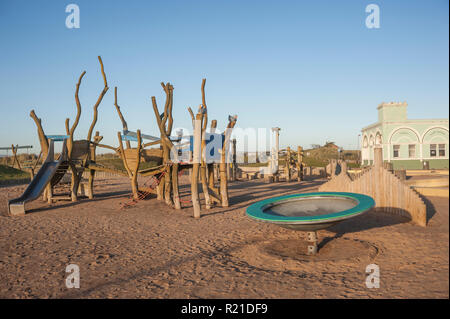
148	189
143	193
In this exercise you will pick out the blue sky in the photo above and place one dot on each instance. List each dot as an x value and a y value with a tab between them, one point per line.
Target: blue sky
309	67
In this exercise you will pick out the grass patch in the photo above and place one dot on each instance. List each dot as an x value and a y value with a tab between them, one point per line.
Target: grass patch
9	173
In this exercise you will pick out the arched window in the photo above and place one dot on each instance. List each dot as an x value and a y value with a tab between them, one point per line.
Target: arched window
404	142
435	142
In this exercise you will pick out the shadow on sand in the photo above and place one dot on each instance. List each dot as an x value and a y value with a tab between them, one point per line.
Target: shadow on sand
81	199
371	220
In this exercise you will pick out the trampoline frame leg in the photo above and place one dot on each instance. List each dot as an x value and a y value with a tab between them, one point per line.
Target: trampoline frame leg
312	239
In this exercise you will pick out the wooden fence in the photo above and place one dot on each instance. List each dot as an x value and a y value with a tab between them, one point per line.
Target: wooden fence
389	192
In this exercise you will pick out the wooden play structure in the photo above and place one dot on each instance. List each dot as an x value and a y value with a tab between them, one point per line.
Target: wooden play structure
389	192
173	155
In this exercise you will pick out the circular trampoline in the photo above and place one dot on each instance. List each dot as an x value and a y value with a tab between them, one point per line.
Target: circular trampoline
310	211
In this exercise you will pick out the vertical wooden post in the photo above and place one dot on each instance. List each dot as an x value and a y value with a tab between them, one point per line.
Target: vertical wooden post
378	156
135	169
175	189
343	165
203	165
165	187
97	139
196	160
333	167
211	166
234	162
299	164
168	176
160	189
99	100
122	119
15	159
74	184
224	158
276	152
132	171
288	164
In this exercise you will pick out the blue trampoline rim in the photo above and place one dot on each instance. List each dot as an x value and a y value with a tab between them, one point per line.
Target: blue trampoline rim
364	203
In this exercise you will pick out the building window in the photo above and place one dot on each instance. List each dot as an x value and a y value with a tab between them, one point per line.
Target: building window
396	150
412	150
432	150
441	149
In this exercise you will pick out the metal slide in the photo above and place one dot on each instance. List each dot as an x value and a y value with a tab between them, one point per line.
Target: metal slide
40	181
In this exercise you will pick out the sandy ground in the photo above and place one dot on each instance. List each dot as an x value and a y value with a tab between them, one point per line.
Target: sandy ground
152	251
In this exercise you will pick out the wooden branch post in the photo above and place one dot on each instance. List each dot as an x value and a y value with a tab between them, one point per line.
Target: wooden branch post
224	158
99	100
287	166
131	159
299	164
15	159
234	162
122	119
175	187
93	146
196	160
211	167
169	181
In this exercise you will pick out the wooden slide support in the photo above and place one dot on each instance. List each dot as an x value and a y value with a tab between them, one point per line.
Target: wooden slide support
390	193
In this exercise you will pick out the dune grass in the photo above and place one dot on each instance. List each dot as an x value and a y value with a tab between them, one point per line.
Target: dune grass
9	173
